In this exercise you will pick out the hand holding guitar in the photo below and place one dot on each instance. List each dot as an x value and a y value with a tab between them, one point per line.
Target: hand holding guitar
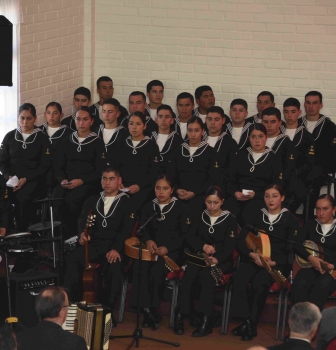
209	249
316	263
213	261
161	251
151	246
82	239
113	256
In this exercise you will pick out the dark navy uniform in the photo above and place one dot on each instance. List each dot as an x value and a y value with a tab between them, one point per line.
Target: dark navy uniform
4	204
244	138
118	136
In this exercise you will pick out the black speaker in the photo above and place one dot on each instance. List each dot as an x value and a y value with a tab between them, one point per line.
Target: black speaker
6	57
24	290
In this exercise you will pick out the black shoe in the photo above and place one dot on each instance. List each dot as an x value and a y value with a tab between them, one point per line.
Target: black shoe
157	316
250	331
204	329
178	324
195	320
238	331
149	320
114	321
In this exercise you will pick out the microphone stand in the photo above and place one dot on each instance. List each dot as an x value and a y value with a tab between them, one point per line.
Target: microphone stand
138	334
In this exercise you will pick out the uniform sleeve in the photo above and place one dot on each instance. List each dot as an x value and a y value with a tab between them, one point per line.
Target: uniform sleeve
153	166
60	162
241	244
82	220
5	158
289	164
193	240
45	160
277	175
99	162
231	185
126	228
229	242
308	159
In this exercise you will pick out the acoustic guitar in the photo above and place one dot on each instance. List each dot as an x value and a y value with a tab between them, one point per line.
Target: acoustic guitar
202	259
261	245
131	249
309	245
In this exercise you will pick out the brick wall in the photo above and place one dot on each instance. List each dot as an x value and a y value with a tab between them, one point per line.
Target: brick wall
239	47
52	52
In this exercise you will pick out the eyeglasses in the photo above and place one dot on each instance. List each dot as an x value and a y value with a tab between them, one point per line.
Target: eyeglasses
65	306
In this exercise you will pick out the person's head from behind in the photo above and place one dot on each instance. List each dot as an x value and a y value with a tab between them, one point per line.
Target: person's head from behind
304	319
137	102
185	105
265	100
52	304
110	181
205	98
271	118
291	112
105	87
7	338
155	91
82	97
238	112
258	137
111	111
27	117
195	128
164	118
214	120
53	114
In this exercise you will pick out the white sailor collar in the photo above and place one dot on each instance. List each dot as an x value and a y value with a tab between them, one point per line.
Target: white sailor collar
33	134
114	135
329	233
276	220
141	143
88	139
206	219
200	149
318	127
278	142
219	140
58	134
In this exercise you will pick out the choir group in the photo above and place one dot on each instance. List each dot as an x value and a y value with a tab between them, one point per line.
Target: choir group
211	178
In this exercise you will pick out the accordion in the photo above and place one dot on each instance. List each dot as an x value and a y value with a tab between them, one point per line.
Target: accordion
93	322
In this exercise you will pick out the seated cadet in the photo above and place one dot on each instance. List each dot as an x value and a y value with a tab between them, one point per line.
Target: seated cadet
82	97
56	133
205	99
283	147
324	133
221	142
163	236
195	167
24	152
138	161
4	207
137	103
265	99
213	232
79	161
155	91
315	284
238	129
105	90
248	303
113	225
250	172
304	144
185	107
110	131
166	139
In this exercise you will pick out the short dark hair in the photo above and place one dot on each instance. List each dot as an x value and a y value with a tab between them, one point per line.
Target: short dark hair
138	93
83	91
197	120
266	93
304	318
292	102
199	91
165	107
239	101
276	187
103	78
314	93
216	109
7	338
167	178
54	104
112	101
139	115
259	127
329	198
271	111
185	95
28	107
50	302
111	169
85	109
154	83
214	190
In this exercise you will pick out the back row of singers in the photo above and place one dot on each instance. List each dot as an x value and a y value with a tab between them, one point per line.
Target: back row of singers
206	157
213	231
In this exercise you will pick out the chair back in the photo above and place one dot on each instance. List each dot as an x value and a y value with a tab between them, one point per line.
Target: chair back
332	344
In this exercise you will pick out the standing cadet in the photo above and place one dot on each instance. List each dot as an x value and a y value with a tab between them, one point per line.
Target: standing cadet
155	90
25	153
264	100
79	161
113	225
205	99
185	108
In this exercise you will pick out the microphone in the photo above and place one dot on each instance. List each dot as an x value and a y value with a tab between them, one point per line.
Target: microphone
141	228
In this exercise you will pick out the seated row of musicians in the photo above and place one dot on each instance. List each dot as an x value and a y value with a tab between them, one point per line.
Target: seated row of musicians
171	231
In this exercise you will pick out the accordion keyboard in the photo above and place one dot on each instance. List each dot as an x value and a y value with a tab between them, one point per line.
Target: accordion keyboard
69	323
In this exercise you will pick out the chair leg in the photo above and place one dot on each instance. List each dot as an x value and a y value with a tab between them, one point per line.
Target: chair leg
225	306
228	308
282	291
284	316
123	300
173	302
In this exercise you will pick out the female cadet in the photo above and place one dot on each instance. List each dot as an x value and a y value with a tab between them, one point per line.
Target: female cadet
314	284
277	223
56	133
138	161
24	153
163	236
196	167
214	232
250	172
79	162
